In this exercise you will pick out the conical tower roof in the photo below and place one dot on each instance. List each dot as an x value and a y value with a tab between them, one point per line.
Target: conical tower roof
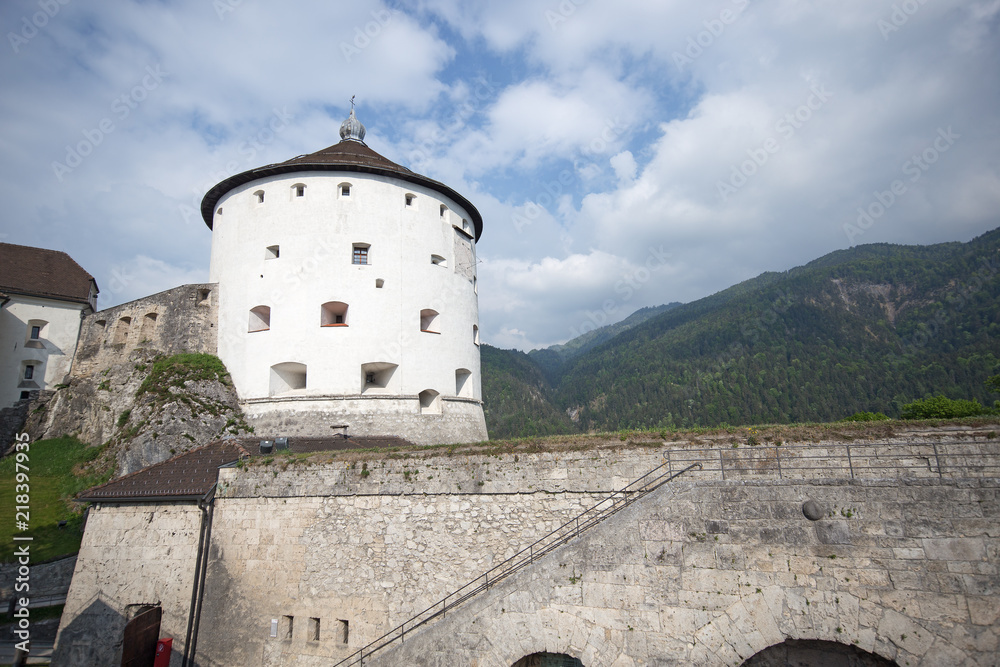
351	153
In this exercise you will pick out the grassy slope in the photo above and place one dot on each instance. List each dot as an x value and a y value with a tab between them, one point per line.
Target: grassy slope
55	475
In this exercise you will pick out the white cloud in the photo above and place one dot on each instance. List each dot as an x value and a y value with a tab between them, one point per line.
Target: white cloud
624	165
583	139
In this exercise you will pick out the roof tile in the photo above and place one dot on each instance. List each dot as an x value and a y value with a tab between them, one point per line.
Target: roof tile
192	474
41	272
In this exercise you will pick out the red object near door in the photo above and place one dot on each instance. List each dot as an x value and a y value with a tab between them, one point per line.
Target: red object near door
163	648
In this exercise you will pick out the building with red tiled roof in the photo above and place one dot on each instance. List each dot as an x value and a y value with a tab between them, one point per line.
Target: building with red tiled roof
43	296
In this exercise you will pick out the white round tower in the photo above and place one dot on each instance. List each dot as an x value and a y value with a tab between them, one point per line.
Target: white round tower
347	297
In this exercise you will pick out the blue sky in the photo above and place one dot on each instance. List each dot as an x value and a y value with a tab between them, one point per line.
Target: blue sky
623	154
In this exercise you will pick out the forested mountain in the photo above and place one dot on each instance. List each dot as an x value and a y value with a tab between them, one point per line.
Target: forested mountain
553	360
869	328
518	400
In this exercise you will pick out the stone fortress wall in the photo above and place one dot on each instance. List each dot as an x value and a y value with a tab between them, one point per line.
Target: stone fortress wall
182	319
309	563
713	573
115	352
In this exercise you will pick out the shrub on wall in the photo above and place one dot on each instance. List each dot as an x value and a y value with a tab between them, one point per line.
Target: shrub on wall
939	407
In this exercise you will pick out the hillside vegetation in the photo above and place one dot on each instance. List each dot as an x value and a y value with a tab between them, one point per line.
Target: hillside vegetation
58	469
866	329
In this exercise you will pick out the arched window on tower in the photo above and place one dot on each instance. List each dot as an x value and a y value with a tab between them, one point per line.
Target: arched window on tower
260	196
428	321
359	253
333	314
260	319
344	190
298	190
430	402
377	376
475	334
463	384
287	377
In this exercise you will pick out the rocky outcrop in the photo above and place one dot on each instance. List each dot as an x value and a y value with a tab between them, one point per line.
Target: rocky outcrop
144	381
11	421
147	407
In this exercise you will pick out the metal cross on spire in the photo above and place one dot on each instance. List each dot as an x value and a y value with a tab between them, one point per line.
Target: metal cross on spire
352	127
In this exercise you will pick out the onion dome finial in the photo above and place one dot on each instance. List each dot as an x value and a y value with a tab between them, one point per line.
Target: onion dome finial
352	129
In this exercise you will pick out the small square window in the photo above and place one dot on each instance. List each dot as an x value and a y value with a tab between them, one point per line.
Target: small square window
29	372
409	200
360	254
313	635
345	190
24	395
287	626
271	252
369	378
35	332
300	191
260	196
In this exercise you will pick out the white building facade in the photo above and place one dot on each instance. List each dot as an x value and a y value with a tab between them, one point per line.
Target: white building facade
347	297
43	296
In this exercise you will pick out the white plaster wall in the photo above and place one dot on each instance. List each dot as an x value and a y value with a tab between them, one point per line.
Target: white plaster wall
57	343
315	235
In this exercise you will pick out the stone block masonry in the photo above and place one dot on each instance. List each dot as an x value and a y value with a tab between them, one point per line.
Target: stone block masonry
712	573
312	559
117	349
177	320
132	555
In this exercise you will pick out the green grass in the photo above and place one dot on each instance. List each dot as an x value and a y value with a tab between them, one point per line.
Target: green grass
176	370
52	484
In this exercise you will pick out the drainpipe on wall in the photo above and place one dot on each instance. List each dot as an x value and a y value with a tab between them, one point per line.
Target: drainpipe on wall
206	505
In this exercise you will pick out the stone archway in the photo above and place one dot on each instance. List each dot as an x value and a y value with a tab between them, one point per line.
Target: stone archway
815	653
548	660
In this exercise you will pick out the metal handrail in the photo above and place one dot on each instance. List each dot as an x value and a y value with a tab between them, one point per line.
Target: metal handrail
526	556
729	463
853	460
